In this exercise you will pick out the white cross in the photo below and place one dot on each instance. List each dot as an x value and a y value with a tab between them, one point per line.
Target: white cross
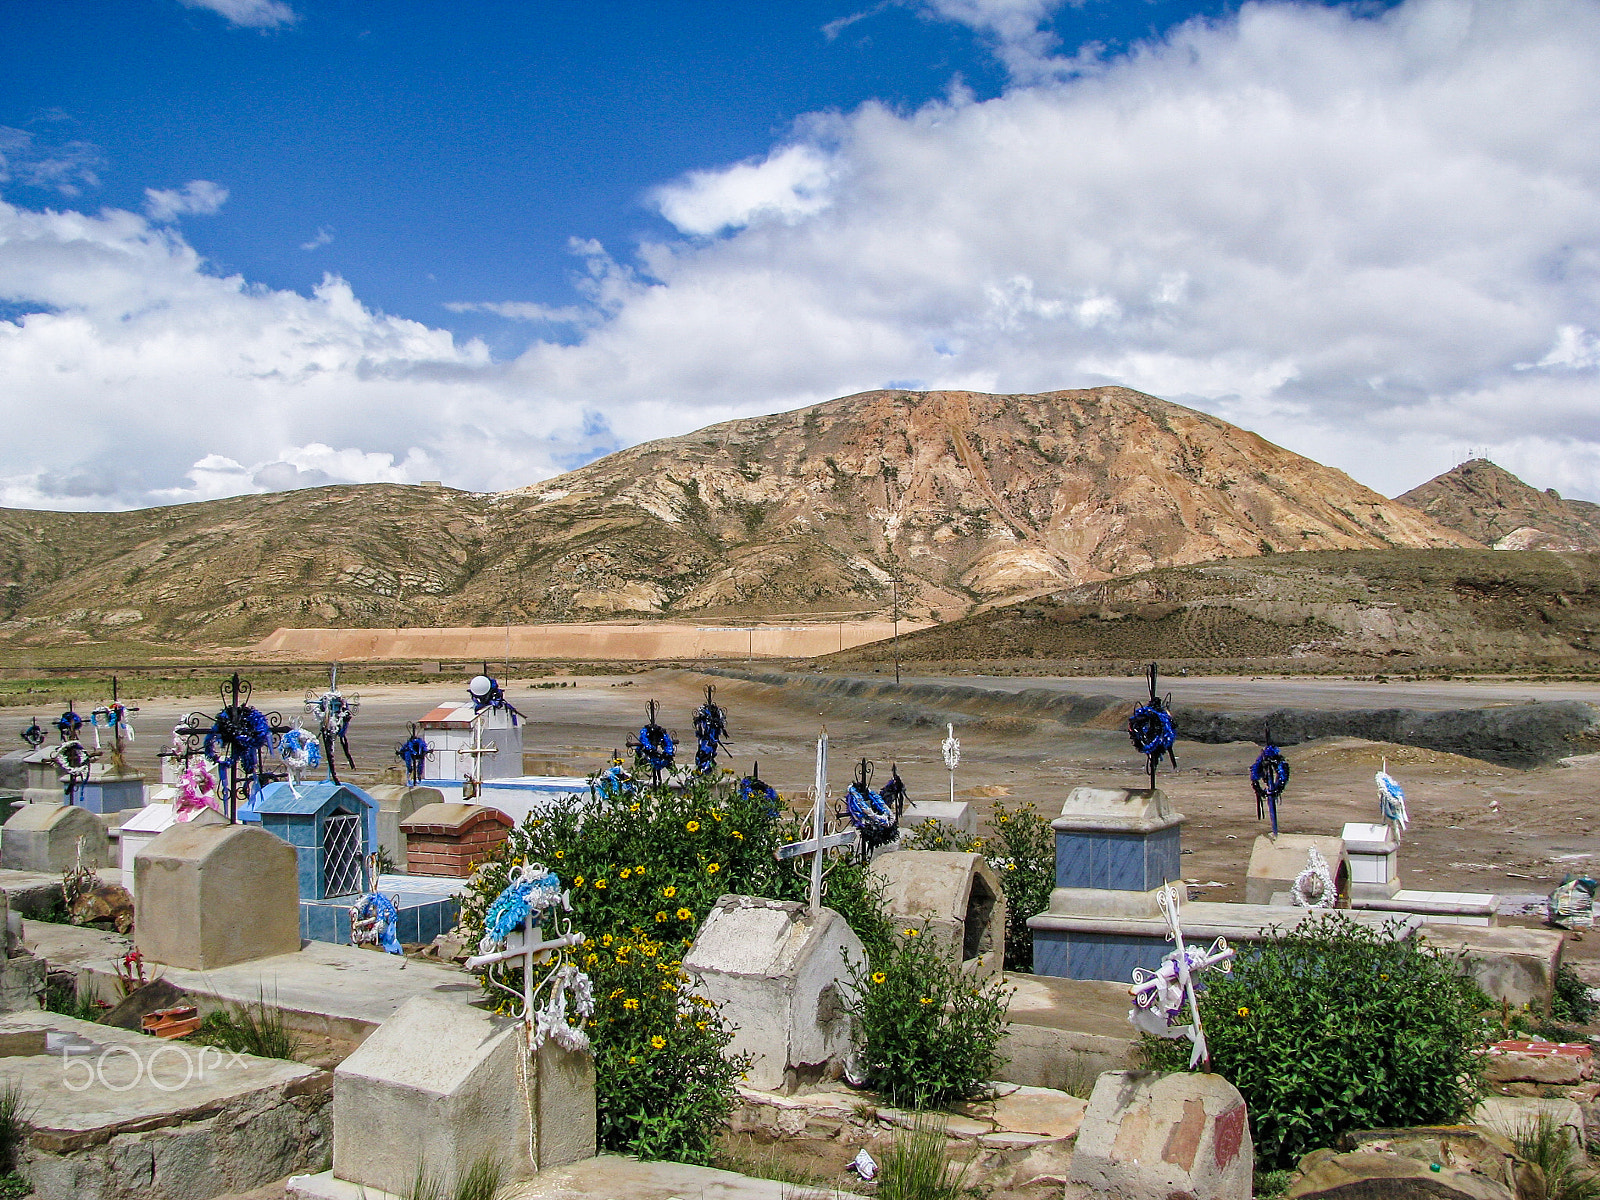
529	951
1161	994
817	844
473	782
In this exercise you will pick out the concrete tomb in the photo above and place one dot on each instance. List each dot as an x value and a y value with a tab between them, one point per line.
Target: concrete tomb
957	814
448	731
446	1085
108	790
779	974
332	827
42	777
45	837
1116	848
1374	850
209	895
1167	1137
149	823
452	839
396	802
1275	864
955	899
1511	964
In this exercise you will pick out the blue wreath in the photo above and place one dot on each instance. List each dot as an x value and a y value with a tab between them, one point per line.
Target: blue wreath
710	727
656	748
752	789
615	784
1269	775
874	819
238	732
376	905
69	724
511	907
1150	728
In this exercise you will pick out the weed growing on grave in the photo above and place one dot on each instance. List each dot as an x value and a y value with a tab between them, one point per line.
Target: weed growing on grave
481	1182
16	1110
1334	1027
1571	1004
62	997
930	1031
249	1029
917	1165
1022	853
1549	1145
644	869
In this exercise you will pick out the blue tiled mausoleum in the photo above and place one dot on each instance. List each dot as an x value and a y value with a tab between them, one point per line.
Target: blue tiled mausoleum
332	827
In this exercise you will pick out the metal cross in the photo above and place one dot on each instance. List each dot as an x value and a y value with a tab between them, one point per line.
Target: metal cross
951	748
532	952
1166	991
817	844
472	783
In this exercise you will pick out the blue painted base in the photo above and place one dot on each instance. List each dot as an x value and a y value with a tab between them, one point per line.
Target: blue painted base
422	917
109	795
1124	862
1069	955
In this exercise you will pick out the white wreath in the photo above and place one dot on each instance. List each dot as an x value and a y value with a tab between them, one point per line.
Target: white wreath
1314	887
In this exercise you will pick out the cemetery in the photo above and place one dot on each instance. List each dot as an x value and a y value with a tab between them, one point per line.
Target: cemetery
668	979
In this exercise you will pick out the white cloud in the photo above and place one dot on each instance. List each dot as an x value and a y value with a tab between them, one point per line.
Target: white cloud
66	169
198	197
1373	237
323	237
252	14
791	183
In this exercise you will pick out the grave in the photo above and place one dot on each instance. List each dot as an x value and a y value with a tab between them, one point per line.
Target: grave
171	1121
1511	964
108	790
144	826
425	907
22	974
448	730
452	839
955	899
1374	851
41	777
1115	850
1275	864
45	836
777	970
396	802
517	796
332	827
213	895
957	814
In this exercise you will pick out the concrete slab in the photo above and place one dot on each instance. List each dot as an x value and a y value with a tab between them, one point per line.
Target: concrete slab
607	1177
132	1113
335	995
1062	1033
1509	963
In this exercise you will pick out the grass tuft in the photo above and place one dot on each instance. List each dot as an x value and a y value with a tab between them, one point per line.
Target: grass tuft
481	1182
249	1029
917	1165
1549	1145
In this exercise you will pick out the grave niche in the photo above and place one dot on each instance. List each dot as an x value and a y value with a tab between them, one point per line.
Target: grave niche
46	836
452	839
955	899
332	827
209	896
1276	863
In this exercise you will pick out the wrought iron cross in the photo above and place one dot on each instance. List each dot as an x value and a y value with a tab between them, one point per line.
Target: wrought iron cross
1160	996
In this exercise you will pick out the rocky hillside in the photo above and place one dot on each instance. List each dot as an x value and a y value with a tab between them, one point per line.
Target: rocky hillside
1491	505
964	497
1364	610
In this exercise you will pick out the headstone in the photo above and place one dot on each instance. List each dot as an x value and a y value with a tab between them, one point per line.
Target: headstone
13	770
396	802
447	1085
957	814
1167	1137
332	827
1275	864
955	899
45	837
452	839
212	895
22	974
42	777
144	826
108	790
1374	854
777	970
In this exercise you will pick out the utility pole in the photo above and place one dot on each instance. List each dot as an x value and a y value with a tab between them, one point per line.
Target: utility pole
894	586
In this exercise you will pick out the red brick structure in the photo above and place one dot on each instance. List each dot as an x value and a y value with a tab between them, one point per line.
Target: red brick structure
451	839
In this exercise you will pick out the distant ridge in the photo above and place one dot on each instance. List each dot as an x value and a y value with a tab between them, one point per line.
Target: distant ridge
956	497
1491	505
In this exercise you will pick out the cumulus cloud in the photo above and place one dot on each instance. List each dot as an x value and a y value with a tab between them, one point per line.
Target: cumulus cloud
198	197
251	14
1371	236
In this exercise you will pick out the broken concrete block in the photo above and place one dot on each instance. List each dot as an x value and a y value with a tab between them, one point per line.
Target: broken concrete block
1166	1137
1369	1174
1538	1062
955	899
1511	964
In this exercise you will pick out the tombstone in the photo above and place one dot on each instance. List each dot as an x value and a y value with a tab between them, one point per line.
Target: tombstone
1276	863
108	790
1164	1137
1511	964
45	836
210	895
452	839
957	814
955	899
22	974
41	777
1374	860
13	770
144	826
777	970
396	802
445	1085
332	827
448	730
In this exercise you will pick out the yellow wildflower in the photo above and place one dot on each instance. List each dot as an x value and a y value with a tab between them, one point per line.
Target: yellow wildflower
659	1042
605	939
684	914
924	999
626	873
878	977
669	892
1244	1012
738	835
904	932
578	882
630	1002
638	870
600	883
660	917
693	826
615	992
561	853
713	868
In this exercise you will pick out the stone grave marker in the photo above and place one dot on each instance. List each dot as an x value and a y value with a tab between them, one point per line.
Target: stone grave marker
955	899
1276	863
212	895
45	837
396	802
149	823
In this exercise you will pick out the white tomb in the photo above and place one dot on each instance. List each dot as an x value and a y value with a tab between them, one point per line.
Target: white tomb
448	730
1374	853
957	814
148	823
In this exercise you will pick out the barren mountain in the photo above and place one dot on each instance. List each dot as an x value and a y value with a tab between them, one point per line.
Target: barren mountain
962	497
1493	506
1363	610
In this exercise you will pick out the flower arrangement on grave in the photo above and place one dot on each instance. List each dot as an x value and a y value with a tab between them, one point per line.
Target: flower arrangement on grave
1335	1027
644	864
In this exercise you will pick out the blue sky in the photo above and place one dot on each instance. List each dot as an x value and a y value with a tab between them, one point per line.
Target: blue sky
249	244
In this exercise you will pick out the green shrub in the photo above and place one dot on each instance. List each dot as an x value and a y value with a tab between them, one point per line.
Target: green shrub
929	1031
644	871
1335	1027
1571	1003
